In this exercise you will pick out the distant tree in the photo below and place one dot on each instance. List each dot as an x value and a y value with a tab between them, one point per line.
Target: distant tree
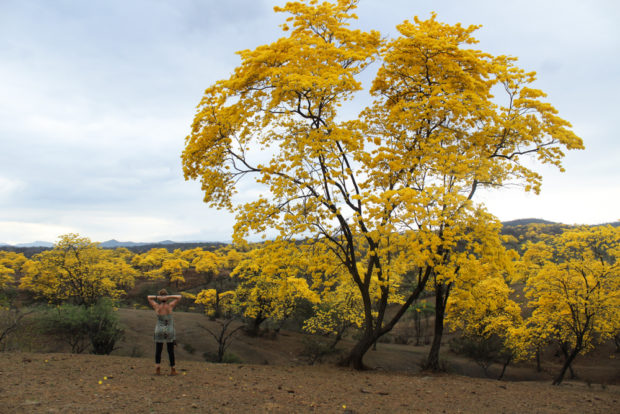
419	311
481	311
573	283
271	284
11	264
151	261
227	308
78	271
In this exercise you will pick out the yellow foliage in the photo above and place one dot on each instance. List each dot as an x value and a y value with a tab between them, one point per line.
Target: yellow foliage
11	264
79	270
159	263
390	194
573	285
271	282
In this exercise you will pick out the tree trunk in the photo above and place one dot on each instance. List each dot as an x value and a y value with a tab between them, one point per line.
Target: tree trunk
355	357
501	375
254	325
371	334
417	320
567	365
441	298
217	313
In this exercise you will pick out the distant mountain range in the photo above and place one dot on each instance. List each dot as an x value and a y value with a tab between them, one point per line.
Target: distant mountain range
37	243
107	244
112	244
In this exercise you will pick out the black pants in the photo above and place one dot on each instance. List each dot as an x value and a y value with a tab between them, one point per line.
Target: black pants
159	346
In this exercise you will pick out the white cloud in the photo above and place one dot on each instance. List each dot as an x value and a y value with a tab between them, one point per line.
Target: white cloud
8	187
14	232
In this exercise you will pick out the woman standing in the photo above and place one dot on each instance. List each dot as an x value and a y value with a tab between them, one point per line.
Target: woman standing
164	330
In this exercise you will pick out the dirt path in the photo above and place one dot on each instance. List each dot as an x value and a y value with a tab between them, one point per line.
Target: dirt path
49	383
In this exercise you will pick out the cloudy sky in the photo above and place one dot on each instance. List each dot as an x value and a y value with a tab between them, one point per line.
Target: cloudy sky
97	98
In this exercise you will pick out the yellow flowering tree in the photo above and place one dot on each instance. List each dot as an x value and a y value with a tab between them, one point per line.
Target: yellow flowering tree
481	309
79	271
271	283
150	262
573	285
410	163
223	303
159	263
11	265
339	309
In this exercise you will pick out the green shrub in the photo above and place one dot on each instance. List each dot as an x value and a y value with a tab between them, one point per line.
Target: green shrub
68	323
103	327
81	326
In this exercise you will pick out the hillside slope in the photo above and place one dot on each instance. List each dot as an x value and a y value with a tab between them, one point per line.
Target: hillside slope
286	348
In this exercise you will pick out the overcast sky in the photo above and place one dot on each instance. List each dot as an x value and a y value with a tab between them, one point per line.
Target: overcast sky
97	96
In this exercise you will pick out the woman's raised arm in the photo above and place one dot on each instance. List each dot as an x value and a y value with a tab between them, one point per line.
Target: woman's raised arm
151	299
175	300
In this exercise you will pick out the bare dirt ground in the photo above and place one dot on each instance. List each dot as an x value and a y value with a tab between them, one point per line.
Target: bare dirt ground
273	377
49	383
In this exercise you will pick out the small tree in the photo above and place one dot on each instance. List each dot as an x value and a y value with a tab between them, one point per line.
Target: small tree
11	315
11	265
69	323
229	308
271	283
483	313
420	311
78	271
103	327
339	309
224	336
573	285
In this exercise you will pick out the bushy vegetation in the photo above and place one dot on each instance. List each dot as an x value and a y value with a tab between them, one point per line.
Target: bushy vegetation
82	327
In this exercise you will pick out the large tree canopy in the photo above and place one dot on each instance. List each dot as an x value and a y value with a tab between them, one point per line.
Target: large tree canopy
392	187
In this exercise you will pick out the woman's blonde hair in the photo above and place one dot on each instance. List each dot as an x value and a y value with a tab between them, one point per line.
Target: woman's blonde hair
163	292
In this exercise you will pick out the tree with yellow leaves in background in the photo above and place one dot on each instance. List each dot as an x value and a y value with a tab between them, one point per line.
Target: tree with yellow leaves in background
79	271
271	284
11	269
11	264
160	263
446	120
151	261
479	305
573	283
